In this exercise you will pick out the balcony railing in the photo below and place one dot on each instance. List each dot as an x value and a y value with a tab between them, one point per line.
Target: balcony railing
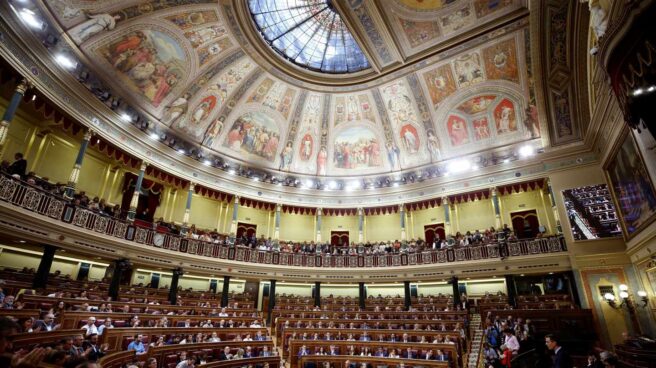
47	204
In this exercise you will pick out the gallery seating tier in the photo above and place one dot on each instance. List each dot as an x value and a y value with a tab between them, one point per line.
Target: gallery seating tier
49	206
338	361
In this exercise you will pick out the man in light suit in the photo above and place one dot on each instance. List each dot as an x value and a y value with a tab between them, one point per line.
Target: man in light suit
561	358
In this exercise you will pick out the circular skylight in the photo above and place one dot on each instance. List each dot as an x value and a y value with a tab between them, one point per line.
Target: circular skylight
309	33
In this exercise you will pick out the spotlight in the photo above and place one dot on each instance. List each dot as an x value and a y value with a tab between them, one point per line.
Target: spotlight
207	162
332	185
623	287
505	161
30	18
458	166
638	91
308	184
65	61
642	294
624	294
396	184
255	178
526	151
231	171
181	151
126	117
154	136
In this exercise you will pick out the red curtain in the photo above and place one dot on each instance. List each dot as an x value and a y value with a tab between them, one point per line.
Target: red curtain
339	238
244	228
434	231
525	224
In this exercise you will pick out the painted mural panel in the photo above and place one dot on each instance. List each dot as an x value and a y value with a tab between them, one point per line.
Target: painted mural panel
468	69
424	5
204	35
632	189
505	117
254	133
457	20
149	62
441	83
487	7
193	19
477	104
212	51
352	108
458	131
481	129
419	32
274	95
501	61
355	148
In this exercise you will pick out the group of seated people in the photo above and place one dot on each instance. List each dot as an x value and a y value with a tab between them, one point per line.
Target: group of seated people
382	352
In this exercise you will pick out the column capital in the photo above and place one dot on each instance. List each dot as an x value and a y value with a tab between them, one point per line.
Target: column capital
23	86
360	211
401	207
278	207
445	201
144	165
88	134
237	198
319	211
493	191
178	271
192	185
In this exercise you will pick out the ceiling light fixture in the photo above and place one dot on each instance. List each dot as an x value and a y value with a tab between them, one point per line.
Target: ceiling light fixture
231	171
458	166
526	151
30	18
181	151
154	136
126	117
65	61
207	162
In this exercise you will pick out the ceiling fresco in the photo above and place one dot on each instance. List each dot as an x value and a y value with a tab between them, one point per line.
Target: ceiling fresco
182	64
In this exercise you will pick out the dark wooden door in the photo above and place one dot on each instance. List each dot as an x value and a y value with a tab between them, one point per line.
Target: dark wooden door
339	238
432	232
525	224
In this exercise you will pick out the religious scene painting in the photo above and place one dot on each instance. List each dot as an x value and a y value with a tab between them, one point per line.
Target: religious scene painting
194	125
306	147
203	35
505	117
147	61
254	133
632	188
356	147
481	129
458	132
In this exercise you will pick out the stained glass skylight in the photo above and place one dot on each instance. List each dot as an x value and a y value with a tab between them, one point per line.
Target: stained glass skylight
309	33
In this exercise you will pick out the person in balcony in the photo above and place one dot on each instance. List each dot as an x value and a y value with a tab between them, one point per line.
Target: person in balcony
19	166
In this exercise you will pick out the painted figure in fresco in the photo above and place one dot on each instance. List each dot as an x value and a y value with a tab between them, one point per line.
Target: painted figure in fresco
322	158
306	147
176	109
468	69
394	155
504	119
213	131
286	157
481	129
458	131
433	146
531	121
94	25
410	141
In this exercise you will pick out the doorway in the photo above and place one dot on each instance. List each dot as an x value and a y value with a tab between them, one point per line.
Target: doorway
246	229
525	224
339	238
433	232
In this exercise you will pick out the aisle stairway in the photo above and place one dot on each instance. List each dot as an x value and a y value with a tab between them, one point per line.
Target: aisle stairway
475	349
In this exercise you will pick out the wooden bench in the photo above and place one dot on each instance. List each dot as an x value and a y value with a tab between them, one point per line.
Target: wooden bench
339	361
413	335
342	346
271	362
73	320
166	355
118	359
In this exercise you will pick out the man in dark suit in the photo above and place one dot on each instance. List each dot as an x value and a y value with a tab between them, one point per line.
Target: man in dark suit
185	323
409	354
561	358
19	166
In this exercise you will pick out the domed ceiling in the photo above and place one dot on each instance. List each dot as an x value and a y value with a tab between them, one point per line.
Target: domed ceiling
320	87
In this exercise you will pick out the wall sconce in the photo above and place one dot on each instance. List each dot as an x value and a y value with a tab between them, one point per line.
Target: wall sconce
626	299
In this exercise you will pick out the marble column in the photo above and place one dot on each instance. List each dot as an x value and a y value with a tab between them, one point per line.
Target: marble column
495	206
276	232
225	293
319	214
447	216
552	198
9	114
402	218
235	212
75	173
407	297
190	193
360	225
137	190
40	280
173	290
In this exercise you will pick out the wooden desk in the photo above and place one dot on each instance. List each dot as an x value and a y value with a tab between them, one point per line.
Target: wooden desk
73	320
213	349
118	359
271	362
